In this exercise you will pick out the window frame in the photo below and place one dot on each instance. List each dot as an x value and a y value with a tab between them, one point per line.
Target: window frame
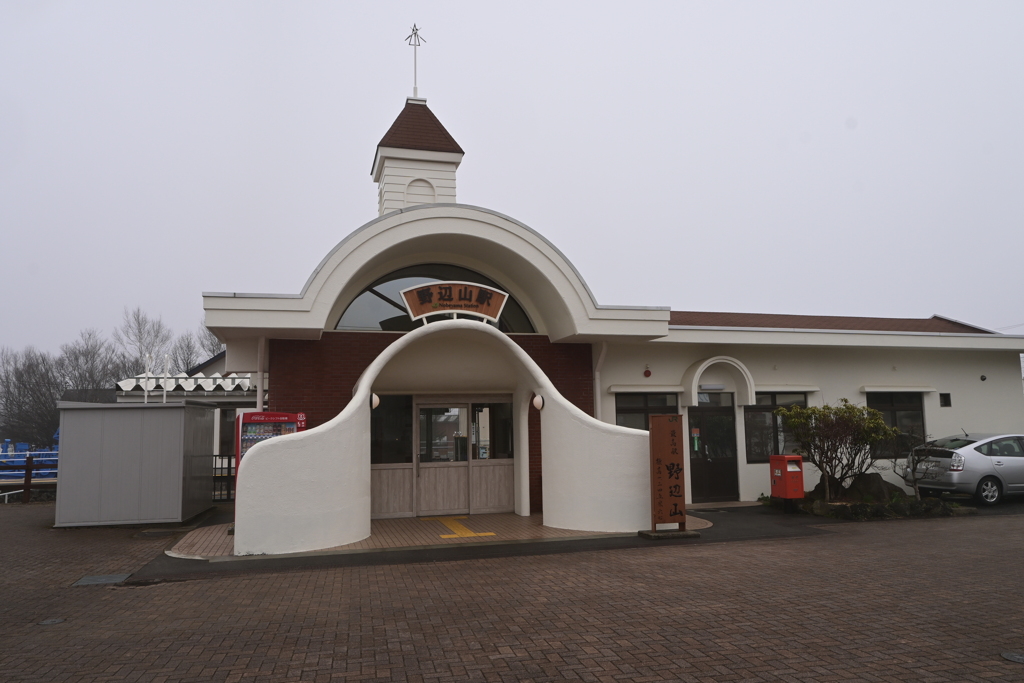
777	430
890	413
646	410
514	318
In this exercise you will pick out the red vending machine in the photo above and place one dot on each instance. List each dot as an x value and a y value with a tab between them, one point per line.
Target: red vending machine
251	428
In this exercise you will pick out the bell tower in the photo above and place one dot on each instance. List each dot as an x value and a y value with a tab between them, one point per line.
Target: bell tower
416	160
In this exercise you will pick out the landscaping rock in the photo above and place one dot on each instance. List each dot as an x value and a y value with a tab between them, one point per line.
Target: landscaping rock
818	493
871	488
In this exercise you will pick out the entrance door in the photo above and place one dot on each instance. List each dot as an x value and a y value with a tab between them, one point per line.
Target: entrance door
464	458
713	475
442	479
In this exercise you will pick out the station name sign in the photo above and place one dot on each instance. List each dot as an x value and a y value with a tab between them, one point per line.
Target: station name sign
667	483
454	297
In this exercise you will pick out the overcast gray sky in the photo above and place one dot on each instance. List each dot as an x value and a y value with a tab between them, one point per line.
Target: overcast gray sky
860	158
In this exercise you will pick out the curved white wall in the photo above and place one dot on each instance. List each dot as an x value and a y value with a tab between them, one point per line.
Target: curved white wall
311	490
597	476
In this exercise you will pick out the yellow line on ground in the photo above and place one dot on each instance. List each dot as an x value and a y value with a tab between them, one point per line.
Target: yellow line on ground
453	524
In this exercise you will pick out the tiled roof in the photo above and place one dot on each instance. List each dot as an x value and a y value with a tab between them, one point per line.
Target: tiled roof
934	324
417	128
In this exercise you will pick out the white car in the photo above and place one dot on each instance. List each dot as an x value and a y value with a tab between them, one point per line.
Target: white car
988	466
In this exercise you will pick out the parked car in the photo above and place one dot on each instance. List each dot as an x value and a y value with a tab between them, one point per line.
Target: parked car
987	466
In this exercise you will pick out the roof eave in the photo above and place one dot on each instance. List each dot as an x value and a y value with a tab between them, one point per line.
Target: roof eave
383	153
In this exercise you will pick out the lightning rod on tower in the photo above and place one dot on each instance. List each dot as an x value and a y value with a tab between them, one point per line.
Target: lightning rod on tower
414	39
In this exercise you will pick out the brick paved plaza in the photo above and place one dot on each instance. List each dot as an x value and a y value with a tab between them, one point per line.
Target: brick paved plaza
929	600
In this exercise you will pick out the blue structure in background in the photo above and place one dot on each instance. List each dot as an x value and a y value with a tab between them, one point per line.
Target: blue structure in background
15	454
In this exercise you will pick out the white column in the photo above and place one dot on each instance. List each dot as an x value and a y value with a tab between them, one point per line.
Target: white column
687	442
521	405
598	394
216	431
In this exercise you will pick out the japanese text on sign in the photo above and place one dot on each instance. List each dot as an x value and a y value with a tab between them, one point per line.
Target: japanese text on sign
667	481
454	297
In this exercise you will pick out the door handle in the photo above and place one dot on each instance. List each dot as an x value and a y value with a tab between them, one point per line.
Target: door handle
998	463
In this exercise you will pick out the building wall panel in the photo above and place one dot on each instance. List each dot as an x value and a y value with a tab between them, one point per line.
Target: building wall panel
120	457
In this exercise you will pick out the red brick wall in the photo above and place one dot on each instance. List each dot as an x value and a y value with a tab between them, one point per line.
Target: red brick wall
317	377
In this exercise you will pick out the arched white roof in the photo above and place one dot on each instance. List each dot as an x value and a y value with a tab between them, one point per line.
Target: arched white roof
532	269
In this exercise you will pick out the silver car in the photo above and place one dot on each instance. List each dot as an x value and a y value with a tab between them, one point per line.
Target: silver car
987	466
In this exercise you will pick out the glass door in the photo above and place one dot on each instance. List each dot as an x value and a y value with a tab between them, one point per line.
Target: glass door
491	465
713	473
442	459
463	452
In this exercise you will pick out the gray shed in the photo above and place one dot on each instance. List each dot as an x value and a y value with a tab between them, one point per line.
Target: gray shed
134	463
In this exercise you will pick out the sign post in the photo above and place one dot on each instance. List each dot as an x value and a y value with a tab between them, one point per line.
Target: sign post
668	483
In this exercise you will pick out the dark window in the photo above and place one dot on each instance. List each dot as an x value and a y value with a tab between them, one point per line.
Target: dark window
380	307
708	399
631	410
765	435
903	410
1007	447
492	431
945	400
952	442
391	431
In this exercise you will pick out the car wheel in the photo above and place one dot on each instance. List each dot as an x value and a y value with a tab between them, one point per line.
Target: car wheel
990	491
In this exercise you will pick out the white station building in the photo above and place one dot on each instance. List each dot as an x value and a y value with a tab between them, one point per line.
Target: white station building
438	414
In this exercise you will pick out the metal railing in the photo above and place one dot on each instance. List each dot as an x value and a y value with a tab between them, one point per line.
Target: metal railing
30	466
223	478
8	493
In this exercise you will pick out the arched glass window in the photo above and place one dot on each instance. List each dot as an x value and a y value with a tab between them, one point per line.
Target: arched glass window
379	306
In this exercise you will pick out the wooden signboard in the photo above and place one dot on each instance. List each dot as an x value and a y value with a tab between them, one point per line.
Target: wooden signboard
454	297
668	497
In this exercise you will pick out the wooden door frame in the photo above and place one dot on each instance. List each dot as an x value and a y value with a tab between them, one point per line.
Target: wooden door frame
451	401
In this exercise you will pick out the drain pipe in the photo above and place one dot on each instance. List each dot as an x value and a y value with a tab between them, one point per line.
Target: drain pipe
597	379
261	344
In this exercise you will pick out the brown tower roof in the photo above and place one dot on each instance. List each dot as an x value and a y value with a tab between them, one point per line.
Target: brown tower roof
417	128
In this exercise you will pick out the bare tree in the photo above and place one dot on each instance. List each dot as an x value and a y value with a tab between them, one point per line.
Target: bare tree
30	386
140	336
917	466
89	362
186	353
208	341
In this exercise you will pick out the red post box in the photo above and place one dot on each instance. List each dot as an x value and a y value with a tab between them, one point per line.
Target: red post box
787	476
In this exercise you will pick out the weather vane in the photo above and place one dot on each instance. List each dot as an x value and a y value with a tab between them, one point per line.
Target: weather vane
414	39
